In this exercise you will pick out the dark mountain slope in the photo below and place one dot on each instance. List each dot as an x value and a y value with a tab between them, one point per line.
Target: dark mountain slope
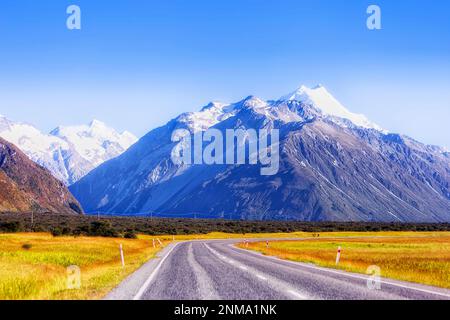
330	169
28	187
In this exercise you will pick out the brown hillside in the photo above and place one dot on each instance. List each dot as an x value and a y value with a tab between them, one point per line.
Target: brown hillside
28	187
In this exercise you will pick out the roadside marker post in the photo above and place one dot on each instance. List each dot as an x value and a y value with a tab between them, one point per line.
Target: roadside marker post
154	243
121	256
338	256
160	243
267	243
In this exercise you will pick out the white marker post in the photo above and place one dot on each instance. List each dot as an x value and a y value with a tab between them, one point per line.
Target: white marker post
154	243
160	243
121	256
338	256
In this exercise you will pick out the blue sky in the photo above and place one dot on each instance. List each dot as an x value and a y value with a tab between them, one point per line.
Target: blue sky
138	63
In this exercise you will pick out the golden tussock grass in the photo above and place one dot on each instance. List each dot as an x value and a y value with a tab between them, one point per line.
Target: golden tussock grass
416	257
223	235
40	272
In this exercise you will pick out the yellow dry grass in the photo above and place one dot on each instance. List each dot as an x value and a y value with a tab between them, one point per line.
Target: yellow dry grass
223	235
40	272
422	257
294	235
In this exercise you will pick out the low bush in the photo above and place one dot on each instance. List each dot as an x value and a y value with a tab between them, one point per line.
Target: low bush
108	226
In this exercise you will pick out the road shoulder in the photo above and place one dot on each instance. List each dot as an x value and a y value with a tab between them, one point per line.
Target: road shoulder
130	287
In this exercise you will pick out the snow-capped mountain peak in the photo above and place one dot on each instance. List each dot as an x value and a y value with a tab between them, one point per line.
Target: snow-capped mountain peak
97	123
95	142
207	117
254	103
68	152
330	169
321	99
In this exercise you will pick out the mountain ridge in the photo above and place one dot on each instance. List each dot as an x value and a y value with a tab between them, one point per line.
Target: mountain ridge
69	152
330	169
27	187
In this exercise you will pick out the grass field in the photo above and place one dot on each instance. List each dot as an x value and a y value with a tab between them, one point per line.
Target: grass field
422	257
302	235
33	265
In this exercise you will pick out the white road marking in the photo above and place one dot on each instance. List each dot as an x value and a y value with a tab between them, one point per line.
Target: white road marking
144	287
204	282
261	277
297	295
278	285
342	273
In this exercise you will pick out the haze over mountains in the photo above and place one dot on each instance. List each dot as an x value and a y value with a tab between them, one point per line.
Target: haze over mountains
334	165
68	152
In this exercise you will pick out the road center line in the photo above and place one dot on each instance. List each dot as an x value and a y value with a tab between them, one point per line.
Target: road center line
261	277
297	294
278	285
144	287
207	290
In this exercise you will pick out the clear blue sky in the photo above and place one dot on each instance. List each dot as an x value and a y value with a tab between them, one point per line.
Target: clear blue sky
137	63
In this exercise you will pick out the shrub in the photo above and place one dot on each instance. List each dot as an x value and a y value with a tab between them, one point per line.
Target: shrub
27	246
102	229
56	232
130	235
66	231
10	227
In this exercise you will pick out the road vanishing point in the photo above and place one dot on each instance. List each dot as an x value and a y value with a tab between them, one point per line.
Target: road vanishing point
217	270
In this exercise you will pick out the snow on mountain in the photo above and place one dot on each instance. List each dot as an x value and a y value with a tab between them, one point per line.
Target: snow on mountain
68	152
334	166
321	99
28	187
207	117
323	103
44	149
95	142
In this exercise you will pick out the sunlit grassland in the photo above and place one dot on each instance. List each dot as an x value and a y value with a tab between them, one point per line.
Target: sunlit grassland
223	235
294	235
422	257
40	272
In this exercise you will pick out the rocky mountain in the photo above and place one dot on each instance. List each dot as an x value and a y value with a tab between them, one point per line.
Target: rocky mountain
334	166
27	187
68	152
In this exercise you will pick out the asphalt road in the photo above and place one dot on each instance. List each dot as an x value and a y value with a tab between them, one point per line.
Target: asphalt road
216	270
